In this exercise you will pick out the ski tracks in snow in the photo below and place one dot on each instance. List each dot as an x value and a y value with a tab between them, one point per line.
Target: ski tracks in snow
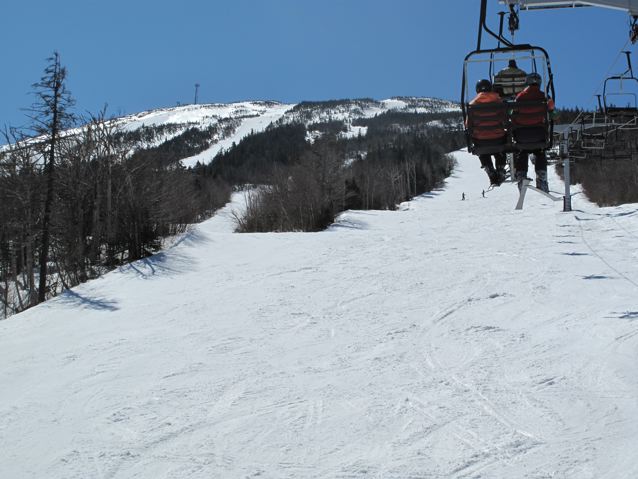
608	242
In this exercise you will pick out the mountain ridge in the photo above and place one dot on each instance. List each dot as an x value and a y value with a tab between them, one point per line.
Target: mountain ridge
248	117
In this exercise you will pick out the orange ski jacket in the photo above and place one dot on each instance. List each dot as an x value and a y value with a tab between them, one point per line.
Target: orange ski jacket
488	125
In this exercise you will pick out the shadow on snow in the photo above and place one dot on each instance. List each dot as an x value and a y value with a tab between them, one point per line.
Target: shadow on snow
99	304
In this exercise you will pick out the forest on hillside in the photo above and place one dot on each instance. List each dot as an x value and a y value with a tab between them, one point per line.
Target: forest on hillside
106	207
305	184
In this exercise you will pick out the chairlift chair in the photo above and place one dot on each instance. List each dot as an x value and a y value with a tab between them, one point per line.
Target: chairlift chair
615	87
509	115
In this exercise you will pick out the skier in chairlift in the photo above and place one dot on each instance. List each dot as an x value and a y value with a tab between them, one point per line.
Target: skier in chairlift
489	132
531	127
511	80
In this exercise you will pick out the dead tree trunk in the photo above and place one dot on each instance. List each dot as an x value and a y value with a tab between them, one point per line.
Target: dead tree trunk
51	115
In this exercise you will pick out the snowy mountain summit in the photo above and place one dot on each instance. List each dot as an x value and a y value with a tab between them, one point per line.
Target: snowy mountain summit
452	338
237	120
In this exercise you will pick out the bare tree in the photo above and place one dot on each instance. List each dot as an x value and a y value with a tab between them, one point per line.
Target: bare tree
19	213
50	115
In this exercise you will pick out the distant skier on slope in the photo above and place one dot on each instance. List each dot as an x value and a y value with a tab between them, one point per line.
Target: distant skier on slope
488	132
534	130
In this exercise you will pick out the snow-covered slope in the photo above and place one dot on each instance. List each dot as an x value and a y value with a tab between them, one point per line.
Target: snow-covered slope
245	118
347	110
248	117
456	339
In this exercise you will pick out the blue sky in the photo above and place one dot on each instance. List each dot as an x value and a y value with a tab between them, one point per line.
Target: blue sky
141	54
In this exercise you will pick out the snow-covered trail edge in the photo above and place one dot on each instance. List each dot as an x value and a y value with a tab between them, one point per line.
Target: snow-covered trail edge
249	125
452	339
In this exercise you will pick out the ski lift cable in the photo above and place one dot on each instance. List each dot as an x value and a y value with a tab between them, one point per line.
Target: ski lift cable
611	67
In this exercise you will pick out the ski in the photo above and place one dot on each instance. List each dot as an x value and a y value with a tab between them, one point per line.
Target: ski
549	195
521	196
526	184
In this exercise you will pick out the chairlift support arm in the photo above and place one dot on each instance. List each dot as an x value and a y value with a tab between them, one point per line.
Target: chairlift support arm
630	70
483	27
629	6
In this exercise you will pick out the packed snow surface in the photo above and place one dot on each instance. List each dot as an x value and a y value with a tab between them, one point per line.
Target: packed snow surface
449	339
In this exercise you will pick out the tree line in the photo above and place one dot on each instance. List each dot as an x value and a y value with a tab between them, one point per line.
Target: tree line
304	185
608	174
75	203
606	181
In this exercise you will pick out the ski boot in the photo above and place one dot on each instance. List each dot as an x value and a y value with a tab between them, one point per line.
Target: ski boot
541	181
500	174
493	176
519	177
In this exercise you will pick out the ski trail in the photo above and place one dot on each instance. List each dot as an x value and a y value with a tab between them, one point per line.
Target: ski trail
451	338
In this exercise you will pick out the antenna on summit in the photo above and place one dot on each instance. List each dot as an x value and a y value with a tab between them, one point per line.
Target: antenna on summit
196	91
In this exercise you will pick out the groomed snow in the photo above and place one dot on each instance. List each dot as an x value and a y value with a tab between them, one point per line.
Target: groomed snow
450	339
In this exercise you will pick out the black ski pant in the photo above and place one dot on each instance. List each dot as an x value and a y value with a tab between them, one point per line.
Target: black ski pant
486	160
540	164
530	135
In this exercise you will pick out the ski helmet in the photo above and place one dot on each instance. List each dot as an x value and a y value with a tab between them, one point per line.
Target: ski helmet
483	86
533	79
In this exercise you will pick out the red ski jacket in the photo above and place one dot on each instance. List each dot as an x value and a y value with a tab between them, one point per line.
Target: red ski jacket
532	115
